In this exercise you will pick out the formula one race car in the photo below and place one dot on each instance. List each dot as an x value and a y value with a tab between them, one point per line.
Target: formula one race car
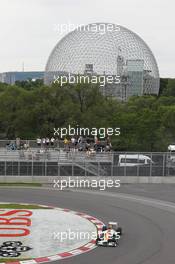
110	235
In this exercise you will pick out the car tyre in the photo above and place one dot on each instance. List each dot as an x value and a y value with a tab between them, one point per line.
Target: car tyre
119	231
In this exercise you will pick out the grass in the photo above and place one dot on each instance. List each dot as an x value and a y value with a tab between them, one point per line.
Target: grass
11	260
21	206
35	184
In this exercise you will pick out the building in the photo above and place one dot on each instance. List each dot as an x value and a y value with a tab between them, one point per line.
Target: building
12	77
135	72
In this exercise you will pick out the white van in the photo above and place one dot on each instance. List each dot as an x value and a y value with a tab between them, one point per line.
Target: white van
171	152
171	159
130	160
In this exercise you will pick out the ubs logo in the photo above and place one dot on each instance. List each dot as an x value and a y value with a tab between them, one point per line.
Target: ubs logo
15	223
12	249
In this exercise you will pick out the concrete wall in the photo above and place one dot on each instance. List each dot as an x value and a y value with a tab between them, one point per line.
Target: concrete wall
50	180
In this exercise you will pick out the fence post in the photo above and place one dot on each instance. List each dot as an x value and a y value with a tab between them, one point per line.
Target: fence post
125	166
19	167
111	166
72	166
59	169
138	166
5	170
151	164
163	165
45	163
32	168
85	168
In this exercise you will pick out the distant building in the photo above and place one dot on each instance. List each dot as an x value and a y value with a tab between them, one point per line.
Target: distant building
12	77
89	69
135	70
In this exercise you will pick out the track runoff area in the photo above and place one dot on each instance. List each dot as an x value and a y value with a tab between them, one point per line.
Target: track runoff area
39	225
44	233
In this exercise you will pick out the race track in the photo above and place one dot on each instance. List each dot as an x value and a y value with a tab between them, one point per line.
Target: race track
149	225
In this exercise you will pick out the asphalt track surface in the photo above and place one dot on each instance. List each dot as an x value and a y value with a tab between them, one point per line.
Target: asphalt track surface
148	220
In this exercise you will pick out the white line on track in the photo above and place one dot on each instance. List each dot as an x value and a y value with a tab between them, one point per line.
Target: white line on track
160	204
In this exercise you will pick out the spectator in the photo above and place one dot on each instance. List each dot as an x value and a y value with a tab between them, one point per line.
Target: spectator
76	142
44	142
47	141
96	143
88	146
18	143
26	146
38	141
88	149
66	143
13	146
108	141
96	140
52	140
80	140
73	141
108	148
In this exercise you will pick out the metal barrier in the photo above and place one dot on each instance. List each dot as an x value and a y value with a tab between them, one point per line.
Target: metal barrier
58	162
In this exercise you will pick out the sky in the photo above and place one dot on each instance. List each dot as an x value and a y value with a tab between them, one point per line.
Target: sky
29	28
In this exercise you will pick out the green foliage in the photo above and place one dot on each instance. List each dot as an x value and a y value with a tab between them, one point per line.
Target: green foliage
29	110
169	89
29	84
163	85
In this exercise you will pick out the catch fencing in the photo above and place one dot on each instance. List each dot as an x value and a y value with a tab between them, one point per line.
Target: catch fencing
61	162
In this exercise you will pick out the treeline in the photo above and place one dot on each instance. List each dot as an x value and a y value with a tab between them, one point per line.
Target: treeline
29	110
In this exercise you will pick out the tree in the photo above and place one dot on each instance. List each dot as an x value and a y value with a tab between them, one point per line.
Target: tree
170	88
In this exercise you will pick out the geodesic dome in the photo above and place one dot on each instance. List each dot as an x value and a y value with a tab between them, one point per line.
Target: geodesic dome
118	51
